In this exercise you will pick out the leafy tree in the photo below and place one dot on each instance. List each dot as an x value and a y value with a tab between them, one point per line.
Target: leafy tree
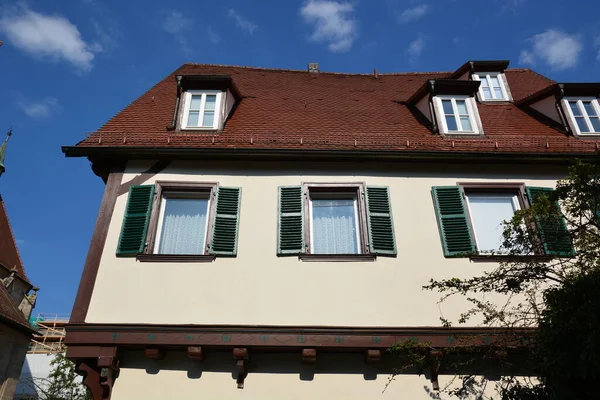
560	295
63	383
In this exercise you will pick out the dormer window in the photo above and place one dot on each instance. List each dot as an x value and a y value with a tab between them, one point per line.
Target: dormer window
202	109
456	114
584	114
493	86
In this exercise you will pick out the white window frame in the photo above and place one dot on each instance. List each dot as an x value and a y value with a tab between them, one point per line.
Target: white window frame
573	121
335	195
188	102
516	206
488	78
441	116
163	206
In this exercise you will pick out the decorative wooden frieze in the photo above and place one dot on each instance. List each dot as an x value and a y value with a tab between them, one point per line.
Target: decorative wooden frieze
195	353
240	355
373	356
309	356
154	353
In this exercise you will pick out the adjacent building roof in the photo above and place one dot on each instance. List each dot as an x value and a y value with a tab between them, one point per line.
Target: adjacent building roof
300	110
10	313
9	254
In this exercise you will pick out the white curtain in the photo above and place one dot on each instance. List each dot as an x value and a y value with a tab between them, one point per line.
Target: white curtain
488	211
334	227
184	226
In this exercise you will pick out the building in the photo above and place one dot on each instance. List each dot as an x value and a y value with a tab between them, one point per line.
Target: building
17	299
266	233
46	343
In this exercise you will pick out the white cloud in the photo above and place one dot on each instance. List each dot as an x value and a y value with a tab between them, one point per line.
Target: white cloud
175	22
47	36
415	48
243	23
213	36
557	49
413	14
333	23
39	109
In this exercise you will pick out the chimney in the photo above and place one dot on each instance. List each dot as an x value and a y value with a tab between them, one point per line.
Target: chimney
313	67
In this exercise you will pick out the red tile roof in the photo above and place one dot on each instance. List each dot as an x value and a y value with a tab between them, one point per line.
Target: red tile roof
9	254
9	312
286	109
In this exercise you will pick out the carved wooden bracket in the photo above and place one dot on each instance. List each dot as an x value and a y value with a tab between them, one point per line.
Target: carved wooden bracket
373	356
195	353
154	353
99	378
435	359
241	357
309	356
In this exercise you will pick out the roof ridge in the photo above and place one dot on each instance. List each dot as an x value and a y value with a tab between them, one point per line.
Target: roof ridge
12	235
319	73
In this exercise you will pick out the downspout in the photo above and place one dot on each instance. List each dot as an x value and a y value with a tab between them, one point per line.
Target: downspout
432	108
177	101
559	95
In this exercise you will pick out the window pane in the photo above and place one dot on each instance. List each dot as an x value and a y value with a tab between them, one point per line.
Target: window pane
334	226
484	82
184	226
498	92
461	106
488	211
487	93
195	104
193	118
595	123
494	80
210	102
575	108
447	104
582	125
451	123
208	119
466	124
589	108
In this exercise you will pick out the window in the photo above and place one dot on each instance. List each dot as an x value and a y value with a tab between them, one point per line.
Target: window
456	114
470	220
492	86
201	110
488	210
182	223
180	219
584	114
334	223
343	219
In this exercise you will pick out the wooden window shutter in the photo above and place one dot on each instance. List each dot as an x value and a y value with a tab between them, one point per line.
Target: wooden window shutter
226	223
290	235
453	223
379	221
552	230
135	222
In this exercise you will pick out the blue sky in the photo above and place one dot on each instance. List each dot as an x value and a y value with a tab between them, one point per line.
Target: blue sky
68	66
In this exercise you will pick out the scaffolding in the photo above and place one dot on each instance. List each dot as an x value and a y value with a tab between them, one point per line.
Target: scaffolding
50	333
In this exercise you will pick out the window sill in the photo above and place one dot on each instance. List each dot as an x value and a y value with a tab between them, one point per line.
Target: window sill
199	129
180	258
509	258
337	257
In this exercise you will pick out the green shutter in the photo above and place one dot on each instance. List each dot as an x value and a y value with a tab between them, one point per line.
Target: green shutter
453	223
226	223
379	221
553	231
135	222
290	235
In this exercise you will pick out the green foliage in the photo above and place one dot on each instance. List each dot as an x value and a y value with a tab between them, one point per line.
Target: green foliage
558	294
63	383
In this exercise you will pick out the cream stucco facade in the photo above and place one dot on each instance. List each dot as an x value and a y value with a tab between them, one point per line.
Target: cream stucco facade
259	288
